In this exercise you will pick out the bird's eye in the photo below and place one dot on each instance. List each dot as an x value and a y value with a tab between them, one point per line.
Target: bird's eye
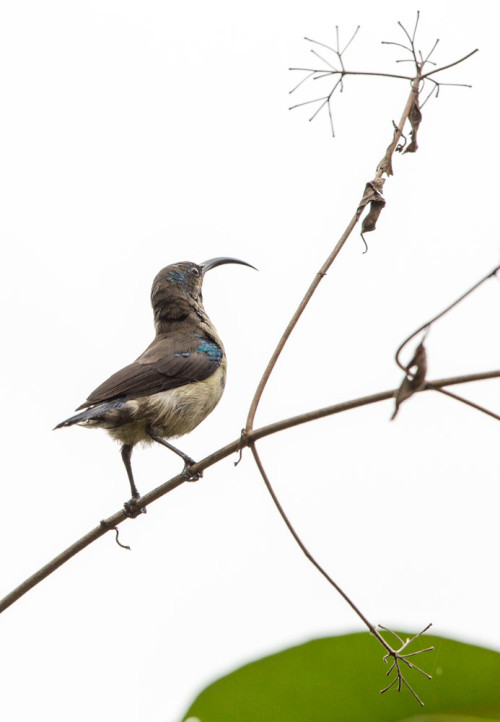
195	272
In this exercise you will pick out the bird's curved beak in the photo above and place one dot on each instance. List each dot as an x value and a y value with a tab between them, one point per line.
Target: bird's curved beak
213	262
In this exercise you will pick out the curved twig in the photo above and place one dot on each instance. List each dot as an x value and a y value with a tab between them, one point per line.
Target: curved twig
311	558
467	402
429	323
396	654
450	65
244	440
416	58
352	72
382	168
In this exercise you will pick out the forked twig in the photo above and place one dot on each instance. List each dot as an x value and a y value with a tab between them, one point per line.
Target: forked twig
395	654
416	58
467	402
372	195
442	313
233	447
416	369
398	657
384	167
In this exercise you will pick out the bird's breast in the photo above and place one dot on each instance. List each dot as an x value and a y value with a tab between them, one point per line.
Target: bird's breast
174	412
179	411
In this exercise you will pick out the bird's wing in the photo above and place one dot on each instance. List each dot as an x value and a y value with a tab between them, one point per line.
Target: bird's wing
161	367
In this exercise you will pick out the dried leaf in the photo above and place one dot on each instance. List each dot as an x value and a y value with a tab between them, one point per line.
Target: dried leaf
373	196
371	218
415	118
414	379
385	164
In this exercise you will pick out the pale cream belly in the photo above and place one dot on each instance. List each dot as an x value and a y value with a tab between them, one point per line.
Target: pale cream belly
171	413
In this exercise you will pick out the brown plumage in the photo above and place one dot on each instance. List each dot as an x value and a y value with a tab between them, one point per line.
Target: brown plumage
175	383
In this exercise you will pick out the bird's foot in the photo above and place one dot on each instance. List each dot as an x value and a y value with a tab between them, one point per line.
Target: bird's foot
187	473
131	508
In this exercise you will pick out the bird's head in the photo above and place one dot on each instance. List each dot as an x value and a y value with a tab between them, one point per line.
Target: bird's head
176	287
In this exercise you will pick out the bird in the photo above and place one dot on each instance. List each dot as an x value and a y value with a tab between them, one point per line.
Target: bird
174	384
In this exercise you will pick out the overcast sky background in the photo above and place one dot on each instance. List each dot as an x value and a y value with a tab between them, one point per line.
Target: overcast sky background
138	134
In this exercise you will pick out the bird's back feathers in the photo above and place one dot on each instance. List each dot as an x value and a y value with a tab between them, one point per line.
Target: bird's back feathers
168	363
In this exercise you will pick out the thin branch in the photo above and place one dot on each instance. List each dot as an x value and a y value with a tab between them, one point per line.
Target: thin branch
437	86
350	41
384	167
391	631
418	63
396	654
293	322
307	102
427	324
450	65
331	120
233	447
396	679
406	33
413	654
411	40
462	400
381	168
416	26
339	53
320	74
310	40
430	52
434	91
355	72
452	85
302	81
386	162
307	553
399	45
372	628
325	61
400	657
402	679
415	379
326	100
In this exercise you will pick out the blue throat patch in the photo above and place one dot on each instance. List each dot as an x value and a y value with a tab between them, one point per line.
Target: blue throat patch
211	349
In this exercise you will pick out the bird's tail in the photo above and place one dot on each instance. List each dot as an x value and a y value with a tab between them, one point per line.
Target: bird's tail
93	415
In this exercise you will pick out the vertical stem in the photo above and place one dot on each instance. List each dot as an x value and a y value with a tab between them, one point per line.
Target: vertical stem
373	630
381	169
293	321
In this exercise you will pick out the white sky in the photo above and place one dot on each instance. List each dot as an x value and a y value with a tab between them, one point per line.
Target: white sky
138	134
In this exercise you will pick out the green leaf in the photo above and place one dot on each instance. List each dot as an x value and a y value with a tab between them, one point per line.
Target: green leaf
340	678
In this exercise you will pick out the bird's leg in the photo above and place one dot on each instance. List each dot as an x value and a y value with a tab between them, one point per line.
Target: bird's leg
130	506
188	461
126	455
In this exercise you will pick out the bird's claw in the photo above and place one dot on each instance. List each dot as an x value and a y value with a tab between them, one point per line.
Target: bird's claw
132	510
188	474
